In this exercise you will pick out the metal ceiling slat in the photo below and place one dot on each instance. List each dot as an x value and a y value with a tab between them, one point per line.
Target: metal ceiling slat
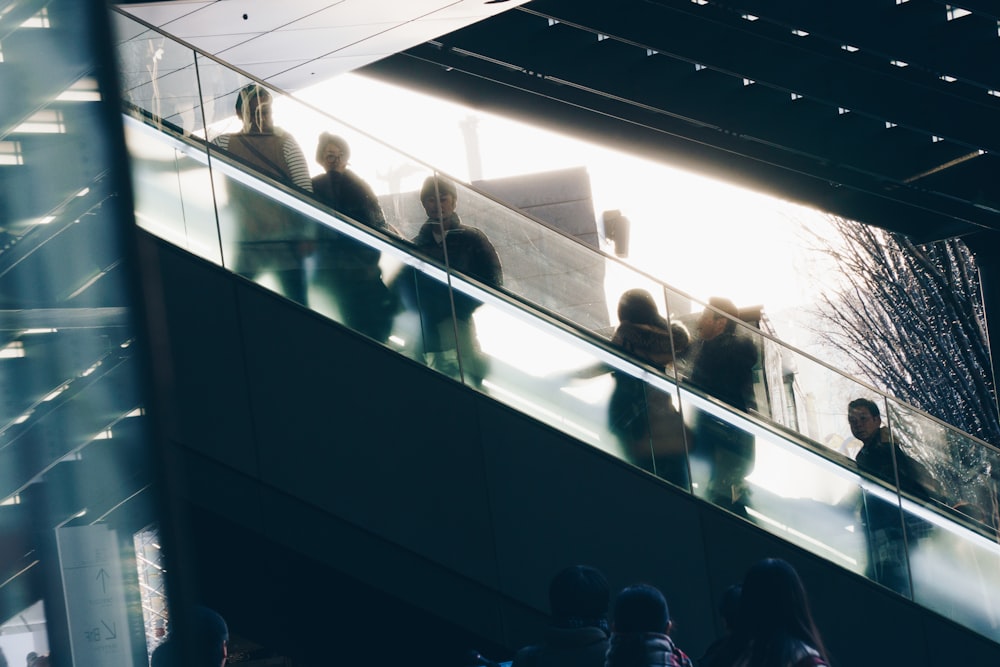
754	164
685	35
713	98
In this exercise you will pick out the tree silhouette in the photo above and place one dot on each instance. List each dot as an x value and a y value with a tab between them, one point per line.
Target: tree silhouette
911	319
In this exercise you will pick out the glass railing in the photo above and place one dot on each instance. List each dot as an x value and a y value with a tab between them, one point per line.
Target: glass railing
777	450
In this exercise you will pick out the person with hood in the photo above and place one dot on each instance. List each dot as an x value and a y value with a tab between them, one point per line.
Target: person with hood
640	633
577	635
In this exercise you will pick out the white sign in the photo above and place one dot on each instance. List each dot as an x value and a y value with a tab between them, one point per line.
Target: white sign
95	596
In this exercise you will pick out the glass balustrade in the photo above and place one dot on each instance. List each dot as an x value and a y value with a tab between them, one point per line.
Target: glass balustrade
777	451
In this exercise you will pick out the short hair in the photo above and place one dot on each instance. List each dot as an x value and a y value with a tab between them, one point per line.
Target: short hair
211	634
726	306
325	138
437	185
249	92
641	608
579	591
868	404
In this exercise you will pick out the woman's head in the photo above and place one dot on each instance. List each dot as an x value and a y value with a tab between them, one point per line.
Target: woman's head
332	152
637	306
773	604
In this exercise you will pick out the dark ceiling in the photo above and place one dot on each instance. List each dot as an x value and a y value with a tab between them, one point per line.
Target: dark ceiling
883	111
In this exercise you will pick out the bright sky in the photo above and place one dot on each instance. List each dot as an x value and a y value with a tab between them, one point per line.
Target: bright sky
700	235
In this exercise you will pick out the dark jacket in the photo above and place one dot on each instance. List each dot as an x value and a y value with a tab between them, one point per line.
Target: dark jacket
645	649
724	369
566	647
348	194
469	252
876	457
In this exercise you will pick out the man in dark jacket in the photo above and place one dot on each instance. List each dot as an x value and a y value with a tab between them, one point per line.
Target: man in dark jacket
577	635
450	343
881	520
724	369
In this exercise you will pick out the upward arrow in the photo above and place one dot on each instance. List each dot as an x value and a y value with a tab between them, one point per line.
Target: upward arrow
103	576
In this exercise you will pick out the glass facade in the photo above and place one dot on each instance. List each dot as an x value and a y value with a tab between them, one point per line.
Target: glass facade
77	505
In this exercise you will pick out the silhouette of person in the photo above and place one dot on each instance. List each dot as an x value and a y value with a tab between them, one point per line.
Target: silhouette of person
724	369
449	344
270	237
208	639
643	417
640	631
577	635
775	626
886	528
722	652
347	269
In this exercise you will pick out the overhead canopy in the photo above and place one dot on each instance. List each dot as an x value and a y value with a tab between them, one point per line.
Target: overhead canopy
883	111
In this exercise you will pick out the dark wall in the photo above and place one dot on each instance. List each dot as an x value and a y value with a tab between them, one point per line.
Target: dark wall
368	465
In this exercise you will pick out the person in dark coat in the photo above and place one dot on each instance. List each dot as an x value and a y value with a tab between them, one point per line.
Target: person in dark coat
644	418
887	532
724	369
347	269
640	634
577	635
449	343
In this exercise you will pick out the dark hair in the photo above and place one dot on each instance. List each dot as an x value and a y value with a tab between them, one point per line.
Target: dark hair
249	92
581	592
726	306
867	404
437	185
327	138
641	608
729	606
774	617
637	306
211	634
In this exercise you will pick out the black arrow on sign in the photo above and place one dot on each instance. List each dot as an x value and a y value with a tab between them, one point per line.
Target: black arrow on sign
112	631
103	576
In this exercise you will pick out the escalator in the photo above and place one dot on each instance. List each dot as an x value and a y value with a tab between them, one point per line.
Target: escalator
464	496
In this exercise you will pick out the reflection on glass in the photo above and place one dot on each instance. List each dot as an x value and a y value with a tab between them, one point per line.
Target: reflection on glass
75	473
492	298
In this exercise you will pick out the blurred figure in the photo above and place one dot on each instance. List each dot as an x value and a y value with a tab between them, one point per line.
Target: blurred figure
578	628
270	238
450	343
775	626
644	418
640	631
347	269
208	635
722	653
724	369
887	530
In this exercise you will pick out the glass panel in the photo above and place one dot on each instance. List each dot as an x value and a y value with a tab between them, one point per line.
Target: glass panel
754	426
75	459
173	191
